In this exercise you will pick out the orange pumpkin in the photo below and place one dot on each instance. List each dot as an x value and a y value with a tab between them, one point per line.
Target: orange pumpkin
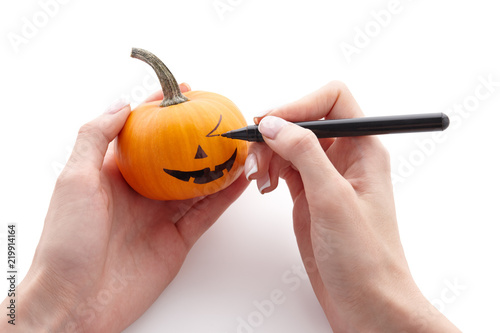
171	149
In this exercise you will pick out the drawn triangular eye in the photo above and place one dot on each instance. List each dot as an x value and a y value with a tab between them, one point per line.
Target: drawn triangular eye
216	126
200	153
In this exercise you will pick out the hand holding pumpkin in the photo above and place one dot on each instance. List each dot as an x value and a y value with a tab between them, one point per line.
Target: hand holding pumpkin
103	244
344	217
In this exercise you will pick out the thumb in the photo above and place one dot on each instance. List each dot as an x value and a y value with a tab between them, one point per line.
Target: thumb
94	137
302	148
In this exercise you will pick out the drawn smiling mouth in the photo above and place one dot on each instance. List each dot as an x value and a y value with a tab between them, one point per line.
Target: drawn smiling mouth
204	176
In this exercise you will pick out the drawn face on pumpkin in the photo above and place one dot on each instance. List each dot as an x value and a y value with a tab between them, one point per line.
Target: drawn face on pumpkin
176	152
205	175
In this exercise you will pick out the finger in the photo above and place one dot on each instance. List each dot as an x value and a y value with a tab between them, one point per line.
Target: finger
257	162
263	165
332	101
205	212
94	137
301	147
293	181
270	183
109	158
185	87
158	95
257	165
302	229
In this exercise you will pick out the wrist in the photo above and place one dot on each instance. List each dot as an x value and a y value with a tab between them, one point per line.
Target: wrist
40	306
402	308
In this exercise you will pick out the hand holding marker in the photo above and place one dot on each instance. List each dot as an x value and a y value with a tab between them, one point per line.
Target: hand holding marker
357	126
344	216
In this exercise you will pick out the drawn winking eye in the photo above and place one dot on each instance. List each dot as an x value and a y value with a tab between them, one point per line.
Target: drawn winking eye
209	135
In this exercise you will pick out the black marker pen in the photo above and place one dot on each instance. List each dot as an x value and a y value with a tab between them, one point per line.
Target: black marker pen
357	126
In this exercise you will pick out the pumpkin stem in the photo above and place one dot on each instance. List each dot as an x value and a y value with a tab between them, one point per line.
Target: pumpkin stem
171	92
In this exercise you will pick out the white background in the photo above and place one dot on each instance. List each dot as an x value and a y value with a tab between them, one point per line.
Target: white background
429	56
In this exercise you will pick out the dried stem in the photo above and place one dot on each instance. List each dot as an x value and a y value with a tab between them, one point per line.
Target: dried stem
171	92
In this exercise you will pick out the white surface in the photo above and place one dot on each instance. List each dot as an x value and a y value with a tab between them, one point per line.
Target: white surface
429	57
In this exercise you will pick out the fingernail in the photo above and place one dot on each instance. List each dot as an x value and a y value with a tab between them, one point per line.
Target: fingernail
251	165
260	115
117	105
270	126
263	183
263	113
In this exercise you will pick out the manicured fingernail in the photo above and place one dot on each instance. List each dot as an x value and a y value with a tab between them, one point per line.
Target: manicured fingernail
270	126
263	183
251	165
117	105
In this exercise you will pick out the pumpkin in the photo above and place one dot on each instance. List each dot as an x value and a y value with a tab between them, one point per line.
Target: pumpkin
172	149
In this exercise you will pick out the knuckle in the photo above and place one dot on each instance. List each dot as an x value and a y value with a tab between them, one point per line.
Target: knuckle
67	177
86	130
287	173
303	143
63	178
386	160
337	85
384	157
107	126
378	156
90	132
89	135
